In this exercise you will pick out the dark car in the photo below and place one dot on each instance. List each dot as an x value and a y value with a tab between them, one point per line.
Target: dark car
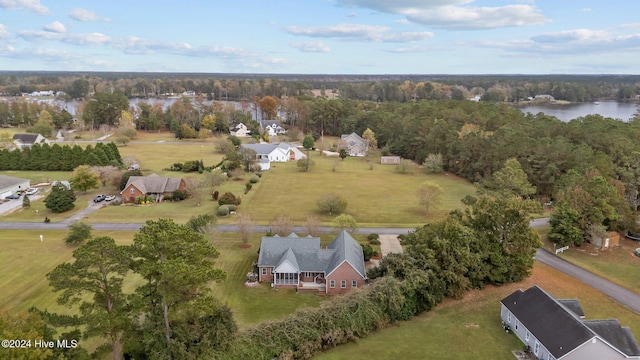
99	198
13	196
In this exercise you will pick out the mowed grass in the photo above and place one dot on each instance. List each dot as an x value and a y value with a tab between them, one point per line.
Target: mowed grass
153	157
470	328
617	264
377	197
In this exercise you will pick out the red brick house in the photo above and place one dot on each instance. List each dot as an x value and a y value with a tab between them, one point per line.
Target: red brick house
158	186
301	263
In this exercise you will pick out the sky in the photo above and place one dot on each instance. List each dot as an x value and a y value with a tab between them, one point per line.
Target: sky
323	36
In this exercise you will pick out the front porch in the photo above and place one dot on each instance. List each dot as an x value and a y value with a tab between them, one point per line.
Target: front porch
305	286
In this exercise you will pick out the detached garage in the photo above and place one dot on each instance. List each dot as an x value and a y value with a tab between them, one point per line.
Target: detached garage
9	185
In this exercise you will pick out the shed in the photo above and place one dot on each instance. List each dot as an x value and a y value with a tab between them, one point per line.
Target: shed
10	185
610	240
389	160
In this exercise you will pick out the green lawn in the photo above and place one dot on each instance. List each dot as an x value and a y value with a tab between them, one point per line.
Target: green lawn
37	211
379	196
617	264
153	157
470	328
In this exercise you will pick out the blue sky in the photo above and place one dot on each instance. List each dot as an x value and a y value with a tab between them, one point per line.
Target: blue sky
323	36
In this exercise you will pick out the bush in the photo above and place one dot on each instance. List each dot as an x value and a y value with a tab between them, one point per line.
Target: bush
259	174
247	187
253	180
223	210
228	198
234	140
374	242
368	252
215	195
78	233
179	195
231	207
60	199
373	237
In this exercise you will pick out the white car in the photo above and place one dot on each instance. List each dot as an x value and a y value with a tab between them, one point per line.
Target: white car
109	197
31	191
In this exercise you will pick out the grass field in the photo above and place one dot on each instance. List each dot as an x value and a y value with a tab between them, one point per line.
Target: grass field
153	157
617	264
469	329
375	197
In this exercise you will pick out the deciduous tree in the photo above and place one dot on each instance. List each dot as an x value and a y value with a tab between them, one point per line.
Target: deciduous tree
79	232
282	225
84	178
245	223
345	222
430	197
332	204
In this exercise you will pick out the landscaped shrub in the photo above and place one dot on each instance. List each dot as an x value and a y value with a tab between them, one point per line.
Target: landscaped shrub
223	210
253	180
179	195
368	252
247	187
373	239
215	195
228	198
259	174
231	207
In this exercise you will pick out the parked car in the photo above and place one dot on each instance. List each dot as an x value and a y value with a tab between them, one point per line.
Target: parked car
110	197
31	191
13	196
99	198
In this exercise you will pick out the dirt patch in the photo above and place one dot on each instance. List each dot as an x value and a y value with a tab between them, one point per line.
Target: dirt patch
471	325
245	246
251	284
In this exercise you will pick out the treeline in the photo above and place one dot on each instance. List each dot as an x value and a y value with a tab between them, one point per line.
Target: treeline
381	88
59	158
23	113
489	243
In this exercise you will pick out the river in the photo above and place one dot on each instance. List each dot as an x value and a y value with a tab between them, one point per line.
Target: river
566	112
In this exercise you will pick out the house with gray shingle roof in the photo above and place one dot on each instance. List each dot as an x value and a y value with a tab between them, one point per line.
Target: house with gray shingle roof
22	141
356	145
275	152
301	263
158	186
272	127
555	329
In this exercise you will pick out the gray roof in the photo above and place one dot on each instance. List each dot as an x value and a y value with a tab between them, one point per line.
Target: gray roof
154	184
307	255
573	305
265	149
8	181
556	327
26	138
265	123
354	139
616	335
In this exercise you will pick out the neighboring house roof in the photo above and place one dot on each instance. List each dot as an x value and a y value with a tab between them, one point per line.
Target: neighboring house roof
616	335
64	183
266	149
236	127
354	139
9	181
305	254
27	139
556	323
154	184
265	123
551	323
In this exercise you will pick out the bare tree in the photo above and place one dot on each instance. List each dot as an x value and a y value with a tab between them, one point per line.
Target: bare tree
244	222
282	225
197	186
430	196
312	225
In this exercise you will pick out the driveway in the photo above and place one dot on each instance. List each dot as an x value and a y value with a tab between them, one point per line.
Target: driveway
91	207
619	294
389	244
11	205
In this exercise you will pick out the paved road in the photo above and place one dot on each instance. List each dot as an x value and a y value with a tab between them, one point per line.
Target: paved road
619	294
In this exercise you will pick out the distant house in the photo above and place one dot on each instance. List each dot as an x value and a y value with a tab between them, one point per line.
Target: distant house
10	185
64	183
389	160
239	130
158	186
301	263
272	127
189	93
276	152
134	167
356	145
544	97
555	329
22	141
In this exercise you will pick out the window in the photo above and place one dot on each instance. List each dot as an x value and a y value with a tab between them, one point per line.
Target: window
526	337
517	322
264	271
536	348
271	271
332	284
354	283
343	284
132	191
509	317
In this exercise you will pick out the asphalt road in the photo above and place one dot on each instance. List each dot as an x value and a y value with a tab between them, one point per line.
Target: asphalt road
619	294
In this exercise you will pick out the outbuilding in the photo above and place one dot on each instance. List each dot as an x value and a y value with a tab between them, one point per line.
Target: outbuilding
10	185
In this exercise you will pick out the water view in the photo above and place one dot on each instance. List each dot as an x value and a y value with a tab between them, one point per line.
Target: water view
568	112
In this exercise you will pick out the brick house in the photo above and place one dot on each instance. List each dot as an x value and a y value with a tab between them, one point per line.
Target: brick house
301	263
556	330
158	186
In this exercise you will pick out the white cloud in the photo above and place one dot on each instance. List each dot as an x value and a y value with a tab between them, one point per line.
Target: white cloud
31	5
587	10
312	46
408	49
374	33
578	35
455	14
77	39
56	27
3	32
81	14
